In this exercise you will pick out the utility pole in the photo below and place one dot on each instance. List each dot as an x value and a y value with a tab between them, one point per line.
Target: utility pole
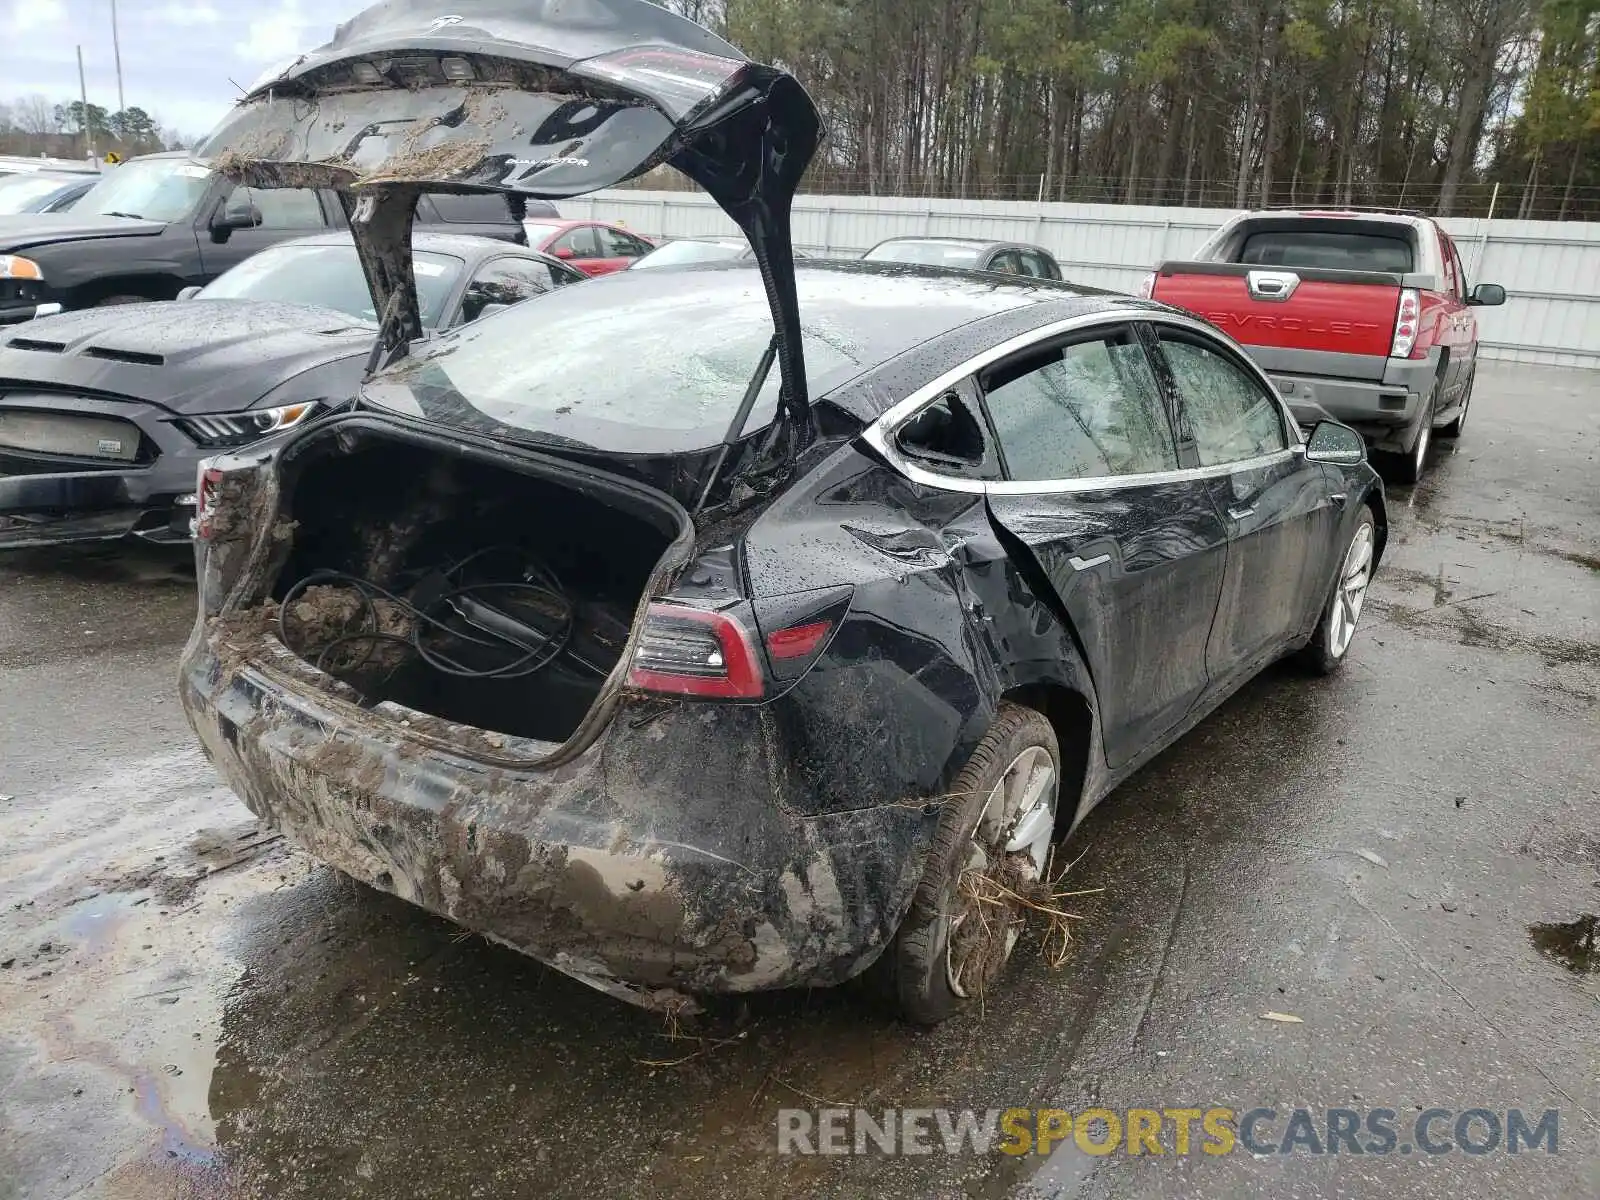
116	50
83	95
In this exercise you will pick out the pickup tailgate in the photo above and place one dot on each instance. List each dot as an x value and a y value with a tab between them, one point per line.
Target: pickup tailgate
1343	312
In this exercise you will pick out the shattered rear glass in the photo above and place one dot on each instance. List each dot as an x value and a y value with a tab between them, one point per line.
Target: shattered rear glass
647	362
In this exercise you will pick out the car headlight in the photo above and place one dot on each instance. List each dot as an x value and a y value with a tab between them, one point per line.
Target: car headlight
237	429
14	266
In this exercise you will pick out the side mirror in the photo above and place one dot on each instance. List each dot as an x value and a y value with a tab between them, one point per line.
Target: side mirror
236	214
1487	294
563	252
189	293
1334	443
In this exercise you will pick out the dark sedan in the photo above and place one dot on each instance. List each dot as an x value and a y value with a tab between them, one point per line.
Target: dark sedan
104	413
968	254
740	626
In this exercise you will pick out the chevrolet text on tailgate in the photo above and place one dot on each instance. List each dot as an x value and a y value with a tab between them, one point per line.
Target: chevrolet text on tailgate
1363	316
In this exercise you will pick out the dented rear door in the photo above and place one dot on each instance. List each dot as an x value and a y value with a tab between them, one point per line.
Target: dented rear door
1096	502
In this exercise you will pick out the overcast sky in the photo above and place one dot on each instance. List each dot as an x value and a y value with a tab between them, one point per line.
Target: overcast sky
177	55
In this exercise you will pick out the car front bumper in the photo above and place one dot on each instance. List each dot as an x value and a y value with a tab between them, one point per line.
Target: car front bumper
13	314
654	866
50	499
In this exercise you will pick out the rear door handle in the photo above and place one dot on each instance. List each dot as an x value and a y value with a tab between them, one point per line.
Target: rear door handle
1239	514
1084	564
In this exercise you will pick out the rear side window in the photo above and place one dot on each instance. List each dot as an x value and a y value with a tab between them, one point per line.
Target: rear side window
1086	410
1329	249
471	210
948	436
1233	417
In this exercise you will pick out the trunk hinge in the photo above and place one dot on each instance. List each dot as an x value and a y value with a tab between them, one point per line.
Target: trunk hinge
380	221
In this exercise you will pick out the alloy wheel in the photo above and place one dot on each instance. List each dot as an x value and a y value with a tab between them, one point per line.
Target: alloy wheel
1010	846
1350	592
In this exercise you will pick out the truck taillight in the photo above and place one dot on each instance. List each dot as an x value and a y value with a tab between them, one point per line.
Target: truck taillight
687	651
1406	322
1147	288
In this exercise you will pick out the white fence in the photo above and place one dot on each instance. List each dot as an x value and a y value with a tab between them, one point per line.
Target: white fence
1551	269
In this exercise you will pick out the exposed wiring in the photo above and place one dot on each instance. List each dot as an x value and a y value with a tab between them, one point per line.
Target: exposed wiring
443	623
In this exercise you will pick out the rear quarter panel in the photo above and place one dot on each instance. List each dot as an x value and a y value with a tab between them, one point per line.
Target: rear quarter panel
940	627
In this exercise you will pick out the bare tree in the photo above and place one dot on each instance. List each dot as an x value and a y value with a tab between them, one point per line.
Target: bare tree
34	115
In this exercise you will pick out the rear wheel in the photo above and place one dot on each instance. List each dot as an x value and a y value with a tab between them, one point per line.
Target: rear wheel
1337	628
1453	430
1408	466
993	839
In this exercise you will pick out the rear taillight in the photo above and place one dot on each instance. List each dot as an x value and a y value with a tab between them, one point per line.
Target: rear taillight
1406	323
1147	288
205	499
687	651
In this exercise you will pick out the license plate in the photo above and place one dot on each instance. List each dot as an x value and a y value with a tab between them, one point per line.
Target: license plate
72	434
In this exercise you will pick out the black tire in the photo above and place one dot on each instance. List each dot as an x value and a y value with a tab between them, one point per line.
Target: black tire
107	301
1409	466
915	965
1453	430
1324	654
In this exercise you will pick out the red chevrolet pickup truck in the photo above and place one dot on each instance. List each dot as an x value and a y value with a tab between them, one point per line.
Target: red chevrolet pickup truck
1365	317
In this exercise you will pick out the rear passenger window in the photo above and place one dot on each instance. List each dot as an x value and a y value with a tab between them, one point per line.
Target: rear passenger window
1232	415
1085	410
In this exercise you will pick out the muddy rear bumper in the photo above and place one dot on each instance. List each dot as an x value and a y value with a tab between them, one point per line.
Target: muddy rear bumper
653	866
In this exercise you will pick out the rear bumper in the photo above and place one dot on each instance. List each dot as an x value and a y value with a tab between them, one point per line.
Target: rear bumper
1315	384
653	866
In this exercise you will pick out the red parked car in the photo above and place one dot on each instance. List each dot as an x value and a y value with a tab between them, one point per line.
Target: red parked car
593	247
1363	316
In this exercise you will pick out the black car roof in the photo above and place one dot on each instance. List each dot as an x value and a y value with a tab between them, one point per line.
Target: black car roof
463	245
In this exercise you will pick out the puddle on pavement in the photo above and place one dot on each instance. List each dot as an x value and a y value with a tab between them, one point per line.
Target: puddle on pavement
1573	944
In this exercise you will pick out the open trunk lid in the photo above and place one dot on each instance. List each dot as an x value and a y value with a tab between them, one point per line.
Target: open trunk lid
540	98
1292	308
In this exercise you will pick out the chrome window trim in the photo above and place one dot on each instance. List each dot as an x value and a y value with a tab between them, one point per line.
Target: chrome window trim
878	435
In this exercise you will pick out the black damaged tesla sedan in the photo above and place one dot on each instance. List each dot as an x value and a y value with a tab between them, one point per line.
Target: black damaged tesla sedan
747	626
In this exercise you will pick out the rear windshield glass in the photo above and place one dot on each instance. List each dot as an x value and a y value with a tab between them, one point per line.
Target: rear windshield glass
932	254
652	362
1334	250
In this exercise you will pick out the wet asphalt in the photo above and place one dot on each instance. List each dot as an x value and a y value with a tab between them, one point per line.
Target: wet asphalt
1396	856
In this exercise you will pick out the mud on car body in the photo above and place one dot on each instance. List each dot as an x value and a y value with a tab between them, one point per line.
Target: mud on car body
742	657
